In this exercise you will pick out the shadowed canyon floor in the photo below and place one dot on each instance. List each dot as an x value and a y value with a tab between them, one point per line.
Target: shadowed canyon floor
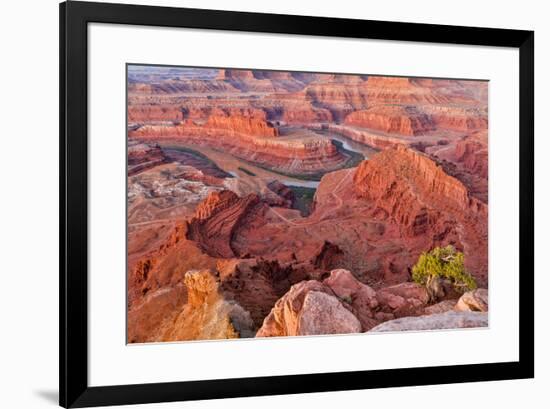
265	203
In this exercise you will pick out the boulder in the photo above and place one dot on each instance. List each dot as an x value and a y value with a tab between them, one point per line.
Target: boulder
476	300
359	296
324	314
403	299
443	306
283	317
310	308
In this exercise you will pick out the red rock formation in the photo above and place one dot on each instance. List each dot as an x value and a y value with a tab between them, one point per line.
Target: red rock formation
381	216
472	152
216	220
425	201
154	310
181	86
248	122
339	98
398	83
365	136
141	113
246	81
458	118
206	315
340	304
467	159
293	108
403	120
309	155
362	298
285	196
280	79
142	156
399	180
327	257
402	90
165	265
257	284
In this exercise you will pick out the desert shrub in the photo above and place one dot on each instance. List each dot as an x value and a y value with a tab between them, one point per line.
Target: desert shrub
347	299
443	263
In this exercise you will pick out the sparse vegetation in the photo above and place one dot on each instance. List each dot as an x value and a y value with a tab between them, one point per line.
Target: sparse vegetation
442	263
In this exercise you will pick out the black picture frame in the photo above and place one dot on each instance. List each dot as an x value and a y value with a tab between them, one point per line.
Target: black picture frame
73	257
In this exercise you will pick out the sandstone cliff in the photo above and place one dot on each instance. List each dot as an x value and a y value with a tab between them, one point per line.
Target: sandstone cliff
403	120
206	314
425	201
216	220
305	156
142	156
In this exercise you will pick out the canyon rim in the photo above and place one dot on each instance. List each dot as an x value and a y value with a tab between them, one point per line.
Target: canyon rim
268	203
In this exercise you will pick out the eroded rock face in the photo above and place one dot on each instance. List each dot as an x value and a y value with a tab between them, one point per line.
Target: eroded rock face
164	267
216	220
146	319
284	197
467	159
142	156
476	300
194	309
446	320
232	122
253	140
148	113
425	201
395	205
207	315
458	118
176	87
256	284
472	152
403	120
327	257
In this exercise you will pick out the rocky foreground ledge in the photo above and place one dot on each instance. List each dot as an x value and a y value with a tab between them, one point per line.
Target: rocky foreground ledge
341	304
446	320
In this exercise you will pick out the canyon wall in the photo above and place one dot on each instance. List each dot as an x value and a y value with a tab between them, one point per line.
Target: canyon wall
250	137
403	120
426	202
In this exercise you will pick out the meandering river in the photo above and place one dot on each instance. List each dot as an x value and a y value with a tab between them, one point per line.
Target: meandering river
242	169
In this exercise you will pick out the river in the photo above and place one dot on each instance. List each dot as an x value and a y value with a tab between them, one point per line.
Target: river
245	170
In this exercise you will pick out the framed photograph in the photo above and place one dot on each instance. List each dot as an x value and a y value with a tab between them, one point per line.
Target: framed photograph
257	204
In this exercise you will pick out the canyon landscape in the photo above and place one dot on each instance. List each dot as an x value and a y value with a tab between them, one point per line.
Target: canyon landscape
272	203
